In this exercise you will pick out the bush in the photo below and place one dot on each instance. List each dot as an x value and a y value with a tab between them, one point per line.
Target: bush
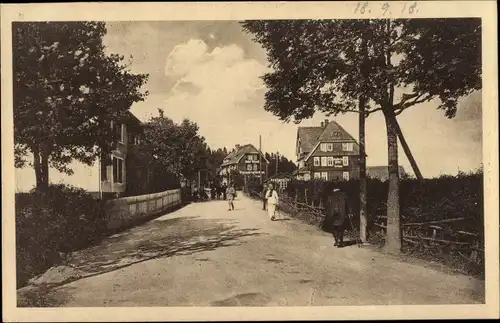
60	220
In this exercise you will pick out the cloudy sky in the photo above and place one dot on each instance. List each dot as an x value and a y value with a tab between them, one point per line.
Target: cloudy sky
210	73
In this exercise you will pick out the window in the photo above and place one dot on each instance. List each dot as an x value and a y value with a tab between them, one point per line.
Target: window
307	177
324	176
249	167
330	161
336	134
347	146
345	176
117	170
329	147
323	161
317	175
345	161
316	161
255	157
337	162
255	167
120	131
322	147
249	157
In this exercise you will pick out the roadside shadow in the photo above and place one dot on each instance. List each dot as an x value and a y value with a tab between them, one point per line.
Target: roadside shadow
348	243
153	240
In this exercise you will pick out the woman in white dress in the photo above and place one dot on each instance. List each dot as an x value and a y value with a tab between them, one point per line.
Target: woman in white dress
272	201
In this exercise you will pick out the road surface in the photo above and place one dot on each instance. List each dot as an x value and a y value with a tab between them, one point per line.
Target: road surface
204	255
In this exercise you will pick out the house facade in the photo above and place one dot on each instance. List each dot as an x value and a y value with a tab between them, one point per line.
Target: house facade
327	152
245	160
114	168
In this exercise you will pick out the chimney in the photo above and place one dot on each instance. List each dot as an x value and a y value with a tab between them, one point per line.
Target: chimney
326	122
322	124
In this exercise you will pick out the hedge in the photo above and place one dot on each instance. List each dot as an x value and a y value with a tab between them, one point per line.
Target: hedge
67	219
445	198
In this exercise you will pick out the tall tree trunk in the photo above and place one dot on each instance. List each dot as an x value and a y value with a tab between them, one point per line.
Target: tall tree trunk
41	166
362	173
362	151
393	237
37	166
45	168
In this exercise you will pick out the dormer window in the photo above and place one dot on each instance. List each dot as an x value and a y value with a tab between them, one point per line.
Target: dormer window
347	146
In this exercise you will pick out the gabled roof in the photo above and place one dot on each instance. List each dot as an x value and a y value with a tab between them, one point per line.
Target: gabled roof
280	175
309	137
334	132
235	156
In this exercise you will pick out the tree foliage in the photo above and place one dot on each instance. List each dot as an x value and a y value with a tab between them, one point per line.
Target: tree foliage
284	165
176	148
329	65
66	92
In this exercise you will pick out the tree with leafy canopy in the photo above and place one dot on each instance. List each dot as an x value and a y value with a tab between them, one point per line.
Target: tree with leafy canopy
67	90
176	148
334	66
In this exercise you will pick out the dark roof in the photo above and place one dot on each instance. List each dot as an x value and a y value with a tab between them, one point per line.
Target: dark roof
334	132
309	136
234	156
279	175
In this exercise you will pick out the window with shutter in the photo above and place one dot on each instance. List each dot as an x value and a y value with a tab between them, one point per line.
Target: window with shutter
324	161
117	170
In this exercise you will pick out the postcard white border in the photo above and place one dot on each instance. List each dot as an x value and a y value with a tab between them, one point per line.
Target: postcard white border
239	11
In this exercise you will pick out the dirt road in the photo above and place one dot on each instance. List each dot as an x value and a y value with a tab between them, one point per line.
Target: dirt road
203	255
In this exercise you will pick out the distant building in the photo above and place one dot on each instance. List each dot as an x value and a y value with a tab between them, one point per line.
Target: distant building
327	152
244	159
281	180
382	172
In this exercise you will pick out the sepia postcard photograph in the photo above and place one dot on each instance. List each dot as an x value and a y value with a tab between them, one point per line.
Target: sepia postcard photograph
249	161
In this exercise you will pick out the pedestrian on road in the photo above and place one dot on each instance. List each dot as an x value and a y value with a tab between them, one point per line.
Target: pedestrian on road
224	190
336	216
230	193
265	189
272	201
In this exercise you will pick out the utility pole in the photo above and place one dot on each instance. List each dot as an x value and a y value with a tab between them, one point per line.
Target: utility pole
277	161
260	159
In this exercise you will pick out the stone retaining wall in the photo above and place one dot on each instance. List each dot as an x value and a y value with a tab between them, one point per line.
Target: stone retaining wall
125	211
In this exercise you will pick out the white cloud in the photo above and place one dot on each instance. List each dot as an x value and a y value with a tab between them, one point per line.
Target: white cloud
228	85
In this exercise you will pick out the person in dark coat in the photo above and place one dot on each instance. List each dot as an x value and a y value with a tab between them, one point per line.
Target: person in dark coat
336	216
265	189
